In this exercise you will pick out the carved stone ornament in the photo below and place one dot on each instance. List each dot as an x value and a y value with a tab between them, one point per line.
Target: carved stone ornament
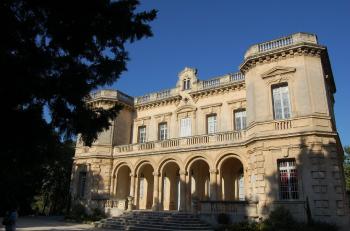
278	70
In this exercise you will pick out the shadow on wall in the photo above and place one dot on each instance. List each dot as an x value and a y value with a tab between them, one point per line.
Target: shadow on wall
306	178
308	181
89	188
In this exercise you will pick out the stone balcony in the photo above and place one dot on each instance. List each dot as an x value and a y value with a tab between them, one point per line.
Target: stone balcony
177	144
281	43
201	85
111	95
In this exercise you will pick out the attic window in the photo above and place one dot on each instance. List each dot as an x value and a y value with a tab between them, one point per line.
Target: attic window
186	84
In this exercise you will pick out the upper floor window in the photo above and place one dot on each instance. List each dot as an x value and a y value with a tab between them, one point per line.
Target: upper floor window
240	119
185	127
81	184
186	84
281	102
288	179
211	123
163	131
142	134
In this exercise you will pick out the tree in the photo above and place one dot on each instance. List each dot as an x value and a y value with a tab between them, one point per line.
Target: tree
347	167
53	54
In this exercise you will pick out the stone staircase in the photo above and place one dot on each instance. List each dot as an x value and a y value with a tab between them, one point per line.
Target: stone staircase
157	221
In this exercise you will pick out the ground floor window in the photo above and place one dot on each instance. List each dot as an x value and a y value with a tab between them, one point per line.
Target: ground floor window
288	179
82	184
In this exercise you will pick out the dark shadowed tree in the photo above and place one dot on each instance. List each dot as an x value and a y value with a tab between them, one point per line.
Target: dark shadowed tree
347	167
52	54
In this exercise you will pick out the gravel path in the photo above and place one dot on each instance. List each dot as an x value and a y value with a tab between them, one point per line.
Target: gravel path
41	223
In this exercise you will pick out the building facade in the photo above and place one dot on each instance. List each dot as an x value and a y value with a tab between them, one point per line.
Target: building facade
241	143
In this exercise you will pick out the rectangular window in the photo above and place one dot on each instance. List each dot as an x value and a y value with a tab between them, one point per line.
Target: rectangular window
162	131
142	134
82	184
211	124
240	120
281	102
288	179
185	127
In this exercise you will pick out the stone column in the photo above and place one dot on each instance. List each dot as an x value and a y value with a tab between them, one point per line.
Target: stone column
213	184
182	190
136	194
188	192
155	205
132	185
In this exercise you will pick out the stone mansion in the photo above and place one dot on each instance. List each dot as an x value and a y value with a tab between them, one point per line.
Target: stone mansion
242	143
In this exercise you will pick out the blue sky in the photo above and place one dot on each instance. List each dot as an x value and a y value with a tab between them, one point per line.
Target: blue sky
212	36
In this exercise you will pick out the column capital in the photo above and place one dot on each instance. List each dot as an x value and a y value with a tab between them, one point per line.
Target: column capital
213	171
156	174
182	172
132	175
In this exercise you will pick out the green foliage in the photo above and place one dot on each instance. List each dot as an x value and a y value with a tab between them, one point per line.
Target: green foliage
346	166
279	220
223	219
54	197
53	54
79	213
243	226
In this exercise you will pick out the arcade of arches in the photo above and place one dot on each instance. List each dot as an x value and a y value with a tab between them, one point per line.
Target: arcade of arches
174	187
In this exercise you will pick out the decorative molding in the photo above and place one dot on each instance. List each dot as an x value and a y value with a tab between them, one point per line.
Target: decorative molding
186	108
234	86
236	101
163	115
158	103
278	70
304	49
211	105
143	118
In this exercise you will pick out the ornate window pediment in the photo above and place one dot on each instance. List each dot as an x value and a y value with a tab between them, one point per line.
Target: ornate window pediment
277	71
186	108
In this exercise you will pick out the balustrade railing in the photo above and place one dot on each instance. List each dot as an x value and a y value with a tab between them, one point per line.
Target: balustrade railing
240	208
170	143
111	94
231	136
221	81
211	83
238	76
163	94
285	41
283	125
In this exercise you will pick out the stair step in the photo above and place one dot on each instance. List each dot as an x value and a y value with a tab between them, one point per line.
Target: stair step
157	221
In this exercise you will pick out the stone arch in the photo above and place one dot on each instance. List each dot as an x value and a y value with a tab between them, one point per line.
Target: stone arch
226	155
232	179
122	182
170	184
191	159
120	164
144	170
198	179
114	172
142	162
165	160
